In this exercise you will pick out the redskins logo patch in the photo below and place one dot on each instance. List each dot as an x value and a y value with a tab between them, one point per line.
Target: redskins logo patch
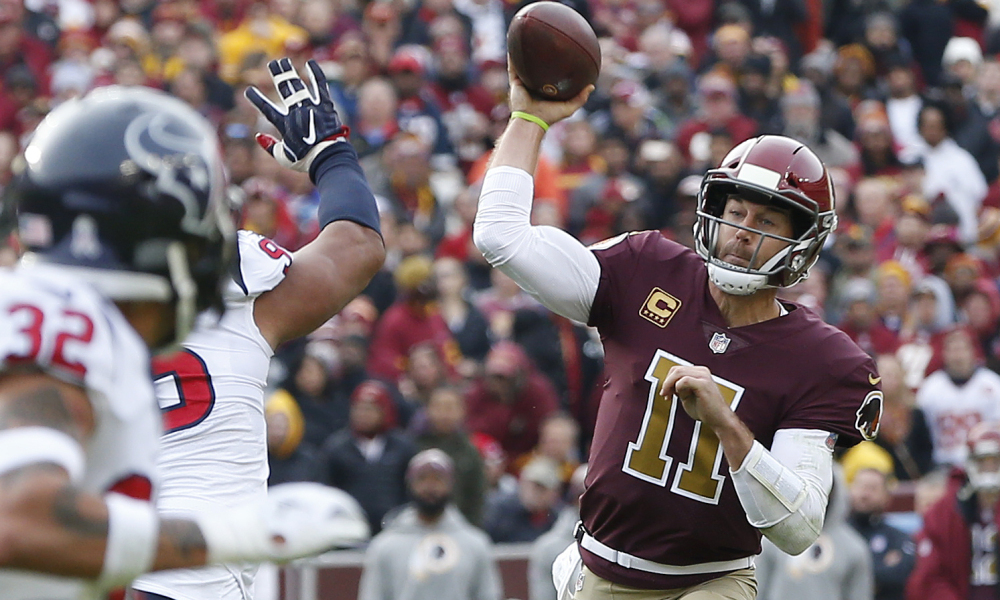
869	415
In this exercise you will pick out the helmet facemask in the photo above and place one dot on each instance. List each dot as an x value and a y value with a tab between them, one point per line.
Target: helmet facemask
788	266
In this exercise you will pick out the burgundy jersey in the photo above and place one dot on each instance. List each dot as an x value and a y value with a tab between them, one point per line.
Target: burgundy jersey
658	484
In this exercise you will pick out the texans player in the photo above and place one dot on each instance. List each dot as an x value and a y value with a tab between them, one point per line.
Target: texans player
212	393
120	210
723	404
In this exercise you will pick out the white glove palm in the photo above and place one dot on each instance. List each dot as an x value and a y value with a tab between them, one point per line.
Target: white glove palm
296	520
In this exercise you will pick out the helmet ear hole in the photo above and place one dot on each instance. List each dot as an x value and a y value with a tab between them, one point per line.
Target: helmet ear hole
792	181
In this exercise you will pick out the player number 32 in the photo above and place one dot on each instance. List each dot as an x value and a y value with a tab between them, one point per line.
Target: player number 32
698	477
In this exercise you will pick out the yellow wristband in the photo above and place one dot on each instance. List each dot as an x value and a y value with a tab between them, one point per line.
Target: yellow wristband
517	114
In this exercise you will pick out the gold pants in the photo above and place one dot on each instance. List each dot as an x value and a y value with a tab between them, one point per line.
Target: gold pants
738	585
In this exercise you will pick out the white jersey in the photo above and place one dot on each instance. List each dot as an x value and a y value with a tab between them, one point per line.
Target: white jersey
214	448
51	321
951	411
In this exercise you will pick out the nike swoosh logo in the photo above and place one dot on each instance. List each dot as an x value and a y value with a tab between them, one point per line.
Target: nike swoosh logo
873	380
311	138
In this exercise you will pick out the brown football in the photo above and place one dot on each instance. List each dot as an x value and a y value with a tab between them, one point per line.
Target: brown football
553	50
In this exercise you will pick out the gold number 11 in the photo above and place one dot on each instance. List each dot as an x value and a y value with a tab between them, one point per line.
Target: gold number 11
647	458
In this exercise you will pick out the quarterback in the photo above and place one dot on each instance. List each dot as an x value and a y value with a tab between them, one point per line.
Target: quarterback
120	207
212	393
722	405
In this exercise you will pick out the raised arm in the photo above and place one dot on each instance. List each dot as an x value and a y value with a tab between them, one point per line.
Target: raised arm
49	524
331	270
546	262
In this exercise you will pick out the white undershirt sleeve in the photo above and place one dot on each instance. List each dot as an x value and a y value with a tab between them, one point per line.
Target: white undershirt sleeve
548	263
785	491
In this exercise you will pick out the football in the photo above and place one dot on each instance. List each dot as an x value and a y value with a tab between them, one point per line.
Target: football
553	50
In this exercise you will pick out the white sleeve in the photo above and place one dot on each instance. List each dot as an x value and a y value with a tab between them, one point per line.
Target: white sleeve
548	263
784	491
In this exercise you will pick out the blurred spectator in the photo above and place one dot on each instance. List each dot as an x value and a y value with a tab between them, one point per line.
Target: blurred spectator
958	396
903	434
633	116
927	25
883	42
558	440
903	106
877	150
580	159
893	553
971	130
961	59
467	325
418	23
756	99
529	512
856	254
600	201
909	235
981	312
551	543
854	74
310	383
962	273
661	167
861	319
489	28
837	566
465	104
418	112
892	284
326	23
445	429
376	123
368	459
411	320
498	480
354	69
425	372
261	30
800	108
876	210
951	173
510	402
500	301
959	530
287	457
457	242
717	110
428	551
404	179
920	337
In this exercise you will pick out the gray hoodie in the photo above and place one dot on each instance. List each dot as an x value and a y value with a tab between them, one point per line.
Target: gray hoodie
410	560
838	566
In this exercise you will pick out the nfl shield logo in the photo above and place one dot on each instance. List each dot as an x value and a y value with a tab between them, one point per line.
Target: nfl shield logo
719	343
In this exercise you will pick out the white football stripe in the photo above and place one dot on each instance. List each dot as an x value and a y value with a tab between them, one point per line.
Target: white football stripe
765	178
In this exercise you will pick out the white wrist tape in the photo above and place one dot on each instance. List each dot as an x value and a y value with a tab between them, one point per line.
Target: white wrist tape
23	446
768	490
133	537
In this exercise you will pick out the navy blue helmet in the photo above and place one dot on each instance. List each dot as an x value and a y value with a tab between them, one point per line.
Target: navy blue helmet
125	189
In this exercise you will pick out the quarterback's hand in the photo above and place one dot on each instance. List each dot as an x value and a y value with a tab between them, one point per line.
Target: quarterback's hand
550	111
699	394
307	120
295	520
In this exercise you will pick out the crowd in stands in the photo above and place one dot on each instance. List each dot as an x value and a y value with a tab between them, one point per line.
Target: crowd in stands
900	98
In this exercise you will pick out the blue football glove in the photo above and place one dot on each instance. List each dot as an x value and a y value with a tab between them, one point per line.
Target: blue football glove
307	120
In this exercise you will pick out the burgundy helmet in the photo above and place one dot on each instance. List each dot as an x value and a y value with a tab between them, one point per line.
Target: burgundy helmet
777	171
